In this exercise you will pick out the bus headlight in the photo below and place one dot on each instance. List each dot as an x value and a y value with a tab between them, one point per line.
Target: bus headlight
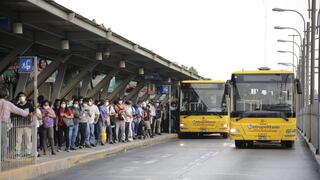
183	125
224	125
234	130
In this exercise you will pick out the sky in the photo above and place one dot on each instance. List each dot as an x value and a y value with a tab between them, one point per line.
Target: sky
214	36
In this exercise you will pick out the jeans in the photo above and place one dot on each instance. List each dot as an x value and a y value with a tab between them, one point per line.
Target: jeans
128	131
90	134
4	140
120	126
73	132
99	132
136	128
63	133
109	134
83	133
26	133
47	134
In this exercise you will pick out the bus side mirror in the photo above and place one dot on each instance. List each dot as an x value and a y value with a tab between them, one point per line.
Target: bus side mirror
298	86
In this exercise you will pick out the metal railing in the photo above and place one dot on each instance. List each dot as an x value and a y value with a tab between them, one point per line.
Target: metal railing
18	142
308	123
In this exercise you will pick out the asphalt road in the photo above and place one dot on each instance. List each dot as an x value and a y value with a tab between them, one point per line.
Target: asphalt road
200	159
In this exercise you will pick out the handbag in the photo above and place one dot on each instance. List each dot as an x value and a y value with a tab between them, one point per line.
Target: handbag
68	122
103	135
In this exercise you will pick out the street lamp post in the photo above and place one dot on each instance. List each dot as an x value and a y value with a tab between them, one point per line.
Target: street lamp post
293	54
287	64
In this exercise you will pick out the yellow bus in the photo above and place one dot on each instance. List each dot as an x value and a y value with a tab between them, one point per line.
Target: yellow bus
262	107
203	109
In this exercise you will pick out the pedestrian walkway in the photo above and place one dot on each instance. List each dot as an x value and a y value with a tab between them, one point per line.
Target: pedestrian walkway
63	160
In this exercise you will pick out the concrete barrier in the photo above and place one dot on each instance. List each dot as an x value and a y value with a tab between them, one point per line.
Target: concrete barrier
50	166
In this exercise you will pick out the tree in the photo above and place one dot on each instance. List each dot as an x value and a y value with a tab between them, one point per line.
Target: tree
193	70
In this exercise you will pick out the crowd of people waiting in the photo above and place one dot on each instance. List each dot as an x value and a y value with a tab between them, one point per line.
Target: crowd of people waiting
84	123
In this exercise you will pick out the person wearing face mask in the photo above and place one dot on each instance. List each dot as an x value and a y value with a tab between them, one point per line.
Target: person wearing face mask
103	120
48	116
75	128
120	123
56	108
24	129
64	128
6	110
93	119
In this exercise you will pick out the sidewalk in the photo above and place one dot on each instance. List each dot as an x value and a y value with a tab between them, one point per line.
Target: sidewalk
311	147
64	160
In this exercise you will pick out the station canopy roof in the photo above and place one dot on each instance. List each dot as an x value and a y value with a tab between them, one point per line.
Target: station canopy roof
47	24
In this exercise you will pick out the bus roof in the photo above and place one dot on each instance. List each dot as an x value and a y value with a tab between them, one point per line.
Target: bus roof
204	81
263	72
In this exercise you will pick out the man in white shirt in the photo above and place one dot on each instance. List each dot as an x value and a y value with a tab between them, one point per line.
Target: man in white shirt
128	120
93	119
152	115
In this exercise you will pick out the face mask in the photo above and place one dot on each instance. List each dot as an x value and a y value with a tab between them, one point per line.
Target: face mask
22	99
107	103
46	106
90	103
120	102
63	105
76	105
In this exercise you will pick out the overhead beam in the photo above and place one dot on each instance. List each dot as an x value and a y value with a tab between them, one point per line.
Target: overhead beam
59	81
145	96
47	72
70	85
136	90
85	84
120	87
12	56
103	84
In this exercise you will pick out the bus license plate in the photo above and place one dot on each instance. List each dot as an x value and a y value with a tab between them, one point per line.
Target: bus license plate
262	138
203	130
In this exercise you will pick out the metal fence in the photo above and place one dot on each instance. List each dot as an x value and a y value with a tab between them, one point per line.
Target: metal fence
18	142
308	124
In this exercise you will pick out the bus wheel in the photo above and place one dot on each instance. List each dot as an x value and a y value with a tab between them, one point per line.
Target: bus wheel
181	135
240	144
224	135
287	144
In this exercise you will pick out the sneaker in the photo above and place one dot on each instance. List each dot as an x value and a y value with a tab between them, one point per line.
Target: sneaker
80	147
93	145
53	153
87	146
73	149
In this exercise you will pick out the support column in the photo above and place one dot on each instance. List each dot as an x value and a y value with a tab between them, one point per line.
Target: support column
59	82
156	98
123	85
22	82
145	97
47	72
70	85
103	84
85	85
12	56
136	90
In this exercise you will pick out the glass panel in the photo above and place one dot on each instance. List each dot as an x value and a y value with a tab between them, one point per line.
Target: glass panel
202	98
267	92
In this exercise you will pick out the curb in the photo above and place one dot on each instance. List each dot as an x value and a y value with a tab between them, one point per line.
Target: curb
311	148
43	168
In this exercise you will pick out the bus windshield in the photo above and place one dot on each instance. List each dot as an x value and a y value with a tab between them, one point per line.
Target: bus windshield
263	92
202	99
